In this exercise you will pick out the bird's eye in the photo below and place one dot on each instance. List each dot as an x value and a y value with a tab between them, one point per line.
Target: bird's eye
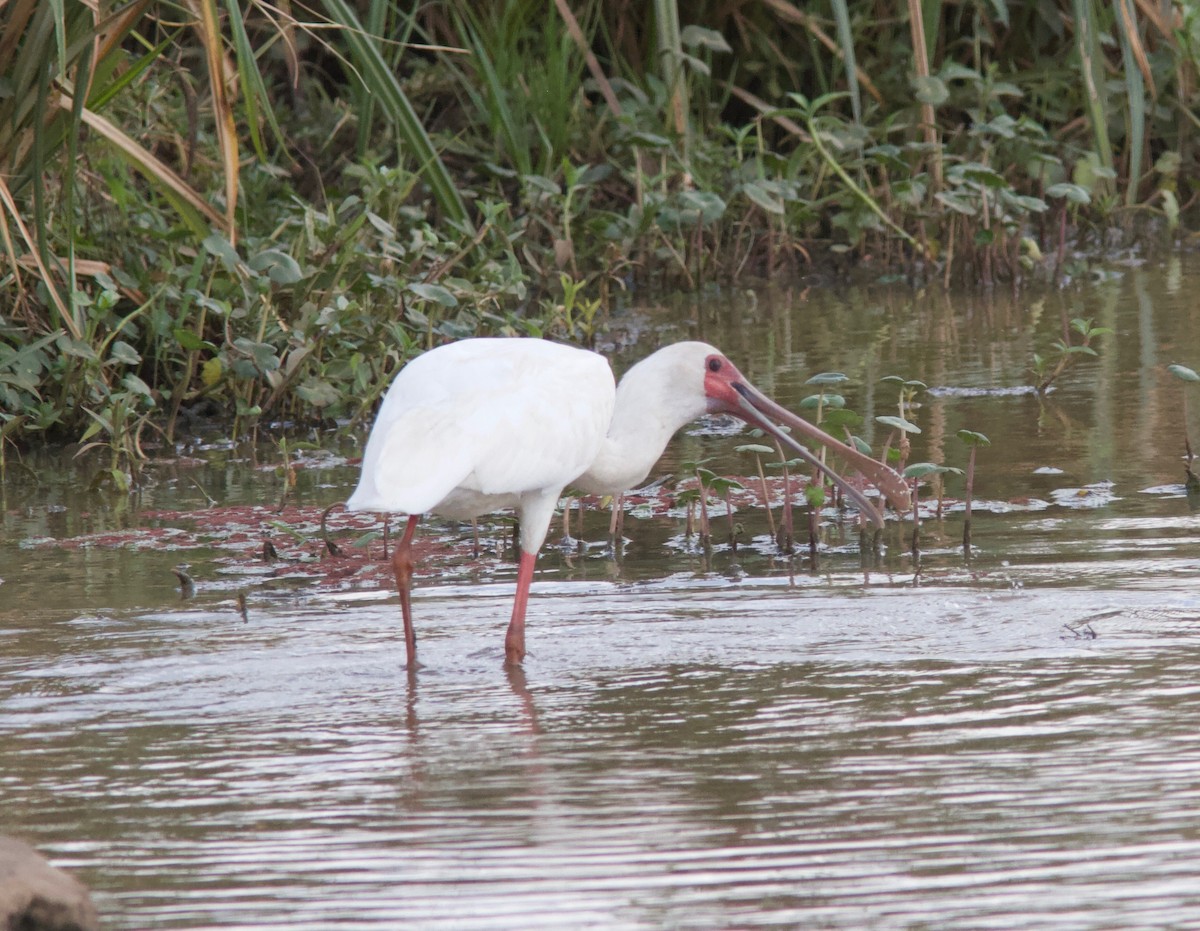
714	364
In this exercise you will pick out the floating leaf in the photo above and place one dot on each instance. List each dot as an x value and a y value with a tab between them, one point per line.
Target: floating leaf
1182	371
813	401
921	469
971	438
828	378
899	423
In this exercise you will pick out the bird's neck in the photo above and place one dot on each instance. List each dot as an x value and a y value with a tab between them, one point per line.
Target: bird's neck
646	415
622	463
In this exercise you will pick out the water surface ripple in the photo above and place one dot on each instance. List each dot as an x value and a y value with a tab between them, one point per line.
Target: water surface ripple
703	759
1003	739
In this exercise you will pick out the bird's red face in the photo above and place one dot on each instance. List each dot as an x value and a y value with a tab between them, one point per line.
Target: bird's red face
729	392
720	375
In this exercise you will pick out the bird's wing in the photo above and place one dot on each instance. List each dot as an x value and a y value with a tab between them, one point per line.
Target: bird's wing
412	466
548	423
497	417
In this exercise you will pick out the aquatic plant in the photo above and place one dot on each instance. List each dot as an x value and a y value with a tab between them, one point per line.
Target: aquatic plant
901	424
1047	369
786	535
758	450
973	440
814	491
915	473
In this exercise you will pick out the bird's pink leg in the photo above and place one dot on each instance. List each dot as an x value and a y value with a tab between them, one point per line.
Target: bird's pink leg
403	565
514	640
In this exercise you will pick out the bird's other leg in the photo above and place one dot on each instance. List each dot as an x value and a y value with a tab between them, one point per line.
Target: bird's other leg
402	564
514	640
616	525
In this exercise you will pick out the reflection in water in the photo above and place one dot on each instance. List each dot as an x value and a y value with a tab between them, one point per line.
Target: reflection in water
741	743
520	688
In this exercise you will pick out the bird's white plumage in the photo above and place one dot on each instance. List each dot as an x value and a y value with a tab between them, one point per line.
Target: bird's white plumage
654	399
484	424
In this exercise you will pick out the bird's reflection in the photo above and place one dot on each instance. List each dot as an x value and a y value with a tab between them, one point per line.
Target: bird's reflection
517	682
410	704
520	687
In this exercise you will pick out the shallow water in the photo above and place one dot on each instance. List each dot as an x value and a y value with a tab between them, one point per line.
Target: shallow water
1006	741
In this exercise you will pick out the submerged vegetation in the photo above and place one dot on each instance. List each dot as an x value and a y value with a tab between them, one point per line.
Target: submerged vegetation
259	211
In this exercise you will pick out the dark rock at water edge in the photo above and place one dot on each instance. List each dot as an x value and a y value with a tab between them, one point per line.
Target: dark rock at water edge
35	896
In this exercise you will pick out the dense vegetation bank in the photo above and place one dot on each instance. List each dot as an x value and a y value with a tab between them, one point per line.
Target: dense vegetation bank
264	209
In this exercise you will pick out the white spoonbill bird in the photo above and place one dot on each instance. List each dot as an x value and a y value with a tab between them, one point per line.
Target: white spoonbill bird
485	424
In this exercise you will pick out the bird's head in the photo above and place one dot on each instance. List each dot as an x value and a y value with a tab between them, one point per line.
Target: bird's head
728	391
721	381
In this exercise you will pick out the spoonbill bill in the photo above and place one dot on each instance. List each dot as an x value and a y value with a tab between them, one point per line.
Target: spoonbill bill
485	424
